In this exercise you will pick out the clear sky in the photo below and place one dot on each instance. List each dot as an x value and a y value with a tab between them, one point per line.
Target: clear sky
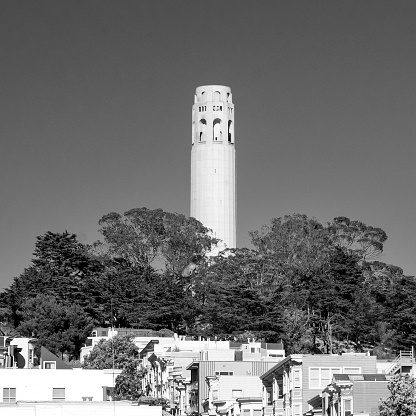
95	113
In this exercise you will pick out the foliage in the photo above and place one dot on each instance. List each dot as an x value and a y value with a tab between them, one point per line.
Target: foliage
128	384
402	401
355	237
59	270
62	255
155	401
60	327
141	235
319	288
295	244
117	352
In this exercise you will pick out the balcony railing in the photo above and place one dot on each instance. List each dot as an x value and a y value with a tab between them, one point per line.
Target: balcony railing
405	357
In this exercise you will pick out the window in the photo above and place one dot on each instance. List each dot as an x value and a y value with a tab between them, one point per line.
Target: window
230	132
296	379
296	409
49	365
214	394
224	373
320	377
347	408
202	129
252	350
325	376
217	129
280	388
107	393
314	381
9	394
58	394
269	396
237	394
256	412
246	412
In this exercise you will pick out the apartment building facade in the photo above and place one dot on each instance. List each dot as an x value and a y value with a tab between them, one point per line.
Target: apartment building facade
353	394
290	384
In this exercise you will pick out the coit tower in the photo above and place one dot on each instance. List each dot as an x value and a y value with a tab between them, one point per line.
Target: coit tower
213	179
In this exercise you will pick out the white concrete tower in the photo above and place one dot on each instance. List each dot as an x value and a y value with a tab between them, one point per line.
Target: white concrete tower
213	179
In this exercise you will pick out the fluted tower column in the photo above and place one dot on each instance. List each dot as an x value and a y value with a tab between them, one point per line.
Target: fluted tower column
213	179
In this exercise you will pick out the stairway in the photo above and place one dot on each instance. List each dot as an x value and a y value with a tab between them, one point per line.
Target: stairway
405	358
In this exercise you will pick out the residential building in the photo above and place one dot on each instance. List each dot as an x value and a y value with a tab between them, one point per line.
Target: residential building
239	361
249	406
353	394
17	352
51	384
404	362
169	372
289	385
166	361
141	338
48	408
49	361
231	395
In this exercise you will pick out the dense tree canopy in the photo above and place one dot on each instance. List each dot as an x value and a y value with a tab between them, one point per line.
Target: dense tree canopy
402	401
319	288
142	235
60	327
117	352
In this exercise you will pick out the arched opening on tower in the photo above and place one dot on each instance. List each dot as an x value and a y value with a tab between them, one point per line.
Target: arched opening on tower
217	130
202	130
217	96
230	132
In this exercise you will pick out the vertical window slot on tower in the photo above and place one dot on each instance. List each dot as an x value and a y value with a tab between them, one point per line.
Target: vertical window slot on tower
217	129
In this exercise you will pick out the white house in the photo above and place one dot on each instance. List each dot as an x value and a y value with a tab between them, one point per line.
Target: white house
78	409
56	385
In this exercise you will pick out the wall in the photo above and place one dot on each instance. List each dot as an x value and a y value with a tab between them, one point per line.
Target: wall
240	368
23	357
251	386
366	395
79	409
37	384
217	355
365	362
190	345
